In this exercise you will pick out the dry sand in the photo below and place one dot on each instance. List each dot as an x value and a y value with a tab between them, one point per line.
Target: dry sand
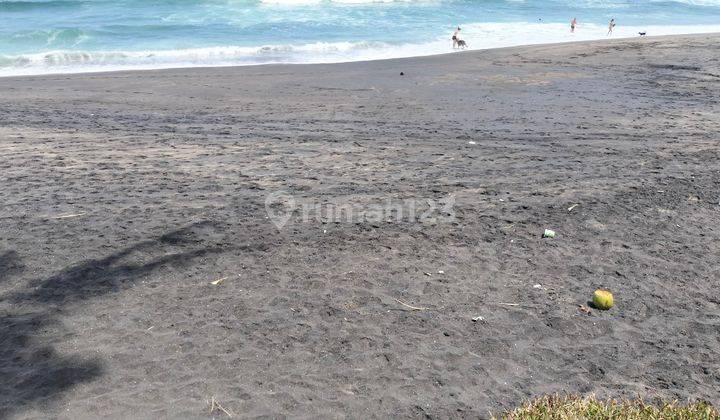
125	194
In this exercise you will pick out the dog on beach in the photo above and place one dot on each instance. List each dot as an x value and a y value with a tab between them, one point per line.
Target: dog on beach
461	44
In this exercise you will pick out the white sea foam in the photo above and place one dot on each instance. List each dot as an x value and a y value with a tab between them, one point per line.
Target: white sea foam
477	35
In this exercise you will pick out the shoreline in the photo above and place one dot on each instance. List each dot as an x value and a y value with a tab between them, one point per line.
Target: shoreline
203	66
145	271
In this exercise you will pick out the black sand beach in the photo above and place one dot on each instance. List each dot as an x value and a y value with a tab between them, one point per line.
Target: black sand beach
124	195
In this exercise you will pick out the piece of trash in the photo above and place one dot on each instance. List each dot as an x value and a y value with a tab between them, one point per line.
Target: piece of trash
218	282
427	274
537	286
478	319
414	308
215	406
602	299
585	309
68	216
548	233
441	272
471	142
572	207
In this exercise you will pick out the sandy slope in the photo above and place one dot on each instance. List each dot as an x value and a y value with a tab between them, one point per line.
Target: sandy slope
124	195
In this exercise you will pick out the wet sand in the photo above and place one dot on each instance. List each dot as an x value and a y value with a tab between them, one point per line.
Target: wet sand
124	195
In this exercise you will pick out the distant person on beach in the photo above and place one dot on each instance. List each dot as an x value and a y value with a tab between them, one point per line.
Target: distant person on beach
611	26
573	24
456	38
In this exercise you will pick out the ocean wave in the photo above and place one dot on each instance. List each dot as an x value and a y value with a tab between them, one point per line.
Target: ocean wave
27	5
311	2
52	38
710	3
21	6
477	35
224	54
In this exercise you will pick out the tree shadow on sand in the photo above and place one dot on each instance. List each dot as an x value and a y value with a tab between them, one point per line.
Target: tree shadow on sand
32	371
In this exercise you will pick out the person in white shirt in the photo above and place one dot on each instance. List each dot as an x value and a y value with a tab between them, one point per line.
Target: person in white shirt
456	38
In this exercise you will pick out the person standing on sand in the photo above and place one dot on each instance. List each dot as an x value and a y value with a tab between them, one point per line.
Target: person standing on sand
456	37
573	24
611	26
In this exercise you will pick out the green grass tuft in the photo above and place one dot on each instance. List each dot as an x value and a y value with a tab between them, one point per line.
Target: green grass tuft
574	408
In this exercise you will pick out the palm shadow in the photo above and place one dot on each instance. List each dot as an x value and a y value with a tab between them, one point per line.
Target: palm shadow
10	265
33	373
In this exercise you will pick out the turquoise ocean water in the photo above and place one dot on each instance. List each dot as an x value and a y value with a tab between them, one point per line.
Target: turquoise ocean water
57	36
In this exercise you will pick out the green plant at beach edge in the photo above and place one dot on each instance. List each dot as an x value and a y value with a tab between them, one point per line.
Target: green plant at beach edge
556	407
